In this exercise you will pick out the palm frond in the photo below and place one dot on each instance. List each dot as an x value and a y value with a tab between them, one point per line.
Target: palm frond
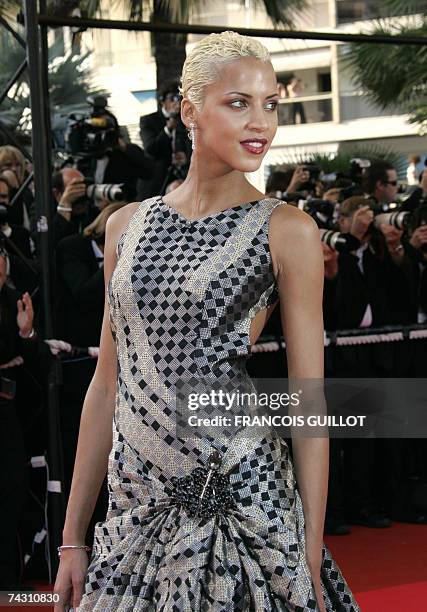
391	75
404	7
9	8
282	12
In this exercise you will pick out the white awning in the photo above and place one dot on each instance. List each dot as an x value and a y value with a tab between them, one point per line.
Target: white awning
294	154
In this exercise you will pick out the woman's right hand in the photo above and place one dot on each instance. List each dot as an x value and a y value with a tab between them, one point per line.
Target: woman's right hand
70	580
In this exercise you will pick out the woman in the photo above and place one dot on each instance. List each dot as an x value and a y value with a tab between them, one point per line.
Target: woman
13	167
198	272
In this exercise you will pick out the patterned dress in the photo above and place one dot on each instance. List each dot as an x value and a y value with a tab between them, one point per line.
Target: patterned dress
182	298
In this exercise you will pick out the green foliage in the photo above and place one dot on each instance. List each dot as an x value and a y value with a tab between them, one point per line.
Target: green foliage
404	7
70	82
281	12
394	75
340	163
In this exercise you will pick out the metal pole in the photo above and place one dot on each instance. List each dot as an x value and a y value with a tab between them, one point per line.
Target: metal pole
13	80
39	95
22	187
15	35
11	139
186	28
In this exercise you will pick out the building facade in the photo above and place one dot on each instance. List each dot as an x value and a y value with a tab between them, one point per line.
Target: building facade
326	113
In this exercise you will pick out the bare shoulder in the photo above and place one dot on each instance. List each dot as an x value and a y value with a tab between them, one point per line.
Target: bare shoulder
119	220
293	235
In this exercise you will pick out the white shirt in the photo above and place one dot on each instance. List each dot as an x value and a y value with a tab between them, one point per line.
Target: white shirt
98	253
170	133
367	317
422	315
101	165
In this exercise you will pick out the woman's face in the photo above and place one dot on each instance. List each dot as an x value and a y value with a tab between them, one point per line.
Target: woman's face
238	119
13	170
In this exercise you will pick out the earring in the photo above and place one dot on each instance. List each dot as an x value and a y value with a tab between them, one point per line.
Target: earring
192	134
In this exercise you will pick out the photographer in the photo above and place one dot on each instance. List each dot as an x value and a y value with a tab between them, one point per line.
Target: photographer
369	285
415	247
103	154
80	271
380	182
18	245
283	182
74	210
165	139
13	169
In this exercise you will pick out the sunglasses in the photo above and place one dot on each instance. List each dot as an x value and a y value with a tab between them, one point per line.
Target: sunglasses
394	183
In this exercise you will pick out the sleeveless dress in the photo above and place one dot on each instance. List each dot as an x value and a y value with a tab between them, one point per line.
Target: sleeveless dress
182	297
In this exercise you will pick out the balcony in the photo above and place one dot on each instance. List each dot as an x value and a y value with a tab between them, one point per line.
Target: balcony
355	105
359	10
315	108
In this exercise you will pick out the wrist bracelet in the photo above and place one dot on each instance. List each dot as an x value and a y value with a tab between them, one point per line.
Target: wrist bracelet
83	547
64	209
30	335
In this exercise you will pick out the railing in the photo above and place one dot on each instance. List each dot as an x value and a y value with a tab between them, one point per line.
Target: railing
355	105
305	109
352	10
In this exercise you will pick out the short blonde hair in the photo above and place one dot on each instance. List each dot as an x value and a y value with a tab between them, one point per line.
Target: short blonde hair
202	65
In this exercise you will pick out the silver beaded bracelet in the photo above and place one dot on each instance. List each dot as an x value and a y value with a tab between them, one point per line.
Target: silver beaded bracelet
61	548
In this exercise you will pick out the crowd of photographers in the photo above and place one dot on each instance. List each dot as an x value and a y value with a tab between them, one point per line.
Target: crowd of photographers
375	256
374	242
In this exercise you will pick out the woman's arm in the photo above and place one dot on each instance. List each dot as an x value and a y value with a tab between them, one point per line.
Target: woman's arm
297	259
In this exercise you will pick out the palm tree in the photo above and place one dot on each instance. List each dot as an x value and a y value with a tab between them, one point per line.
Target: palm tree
69	84
394	76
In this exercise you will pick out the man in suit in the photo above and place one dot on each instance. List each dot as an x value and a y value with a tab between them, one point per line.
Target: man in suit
380	182
81	274
165	139
74	211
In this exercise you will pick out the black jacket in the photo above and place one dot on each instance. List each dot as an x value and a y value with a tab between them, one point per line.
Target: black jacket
158	145
126	167
80	305
383	285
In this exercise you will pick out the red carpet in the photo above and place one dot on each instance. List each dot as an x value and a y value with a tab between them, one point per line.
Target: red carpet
404	598
385	568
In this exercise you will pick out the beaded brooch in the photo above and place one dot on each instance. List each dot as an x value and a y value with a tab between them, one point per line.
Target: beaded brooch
205	491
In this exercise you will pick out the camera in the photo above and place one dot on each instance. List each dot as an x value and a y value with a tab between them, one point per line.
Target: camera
322	212
107	191
93	134
338	241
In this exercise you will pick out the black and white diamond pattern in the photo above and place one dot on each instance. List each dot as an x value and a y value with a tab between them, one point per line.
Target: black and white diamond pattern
182	298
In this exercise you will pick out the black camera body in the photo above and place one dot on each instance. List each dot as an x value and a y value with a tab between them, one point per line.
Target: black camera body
93	134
